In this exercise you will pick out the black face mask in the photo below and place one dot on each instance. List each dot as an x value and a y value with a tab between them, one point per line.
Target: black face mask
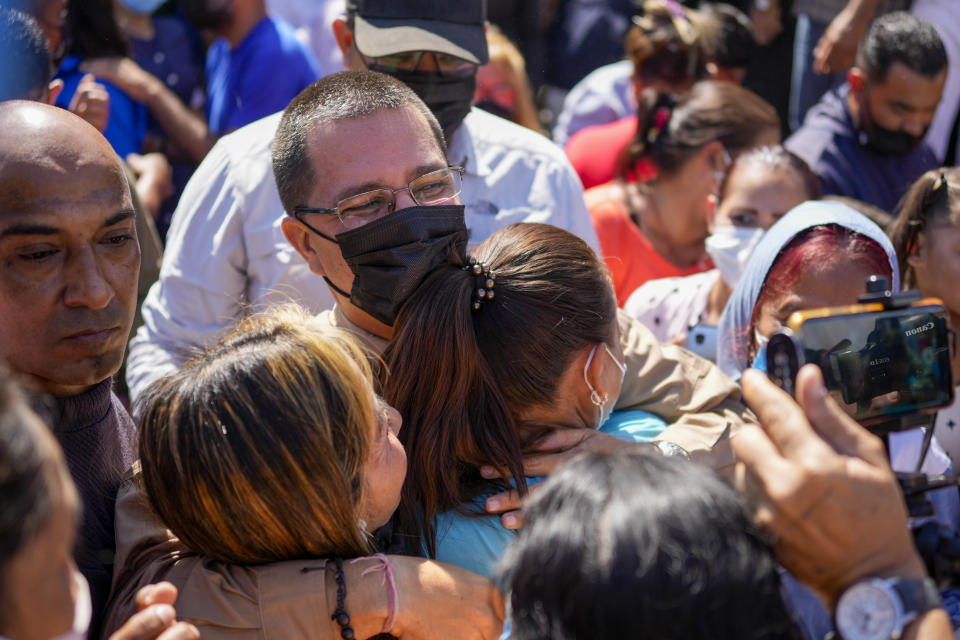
449	98
497	109
391	256
891	143
882	140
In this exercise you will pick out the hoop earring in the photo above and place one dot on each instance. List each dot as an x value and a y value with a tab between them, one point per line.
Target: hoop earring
597	399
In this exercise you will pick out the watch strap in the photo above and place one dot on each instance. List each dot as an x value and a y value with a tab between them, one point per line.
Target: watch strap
917	596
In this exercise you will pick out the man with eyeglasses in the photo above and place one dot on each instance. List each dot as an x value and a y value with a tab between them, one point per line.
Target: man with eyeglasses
226	252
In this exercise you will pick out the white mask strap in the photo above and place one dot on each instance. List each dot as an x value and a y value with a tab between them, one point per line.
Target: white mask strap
595	397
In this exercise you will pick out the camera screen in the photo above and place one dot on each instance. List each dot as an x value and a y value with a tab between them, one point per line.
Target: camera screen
883	364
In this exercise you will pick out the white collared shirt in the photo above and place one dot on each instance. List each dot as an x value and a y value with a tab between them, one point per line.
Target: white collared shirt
226	252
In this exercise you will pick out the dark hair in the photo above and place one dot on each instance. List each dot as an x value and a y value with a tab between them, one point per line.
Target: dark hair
25	56
728	37
460	378
254	451
930	202
672	130
664	47
773	157
634	545
25	476
91	30
340	96
901	37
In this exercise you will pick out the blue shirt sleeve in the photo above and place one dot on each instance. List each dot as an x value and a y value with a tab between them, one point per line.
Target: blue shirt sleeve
128	120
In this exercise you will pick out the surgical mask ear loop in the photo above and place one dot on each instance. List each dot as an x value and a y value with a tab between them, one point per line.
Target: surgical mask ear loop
595	397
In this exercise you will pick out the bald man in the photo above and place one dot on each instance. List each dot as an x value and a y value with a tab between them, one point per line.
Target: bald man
69	261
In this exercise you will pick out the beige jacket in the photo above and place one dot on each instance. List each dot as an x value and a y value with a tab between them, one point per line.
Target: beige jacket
225	601
281	600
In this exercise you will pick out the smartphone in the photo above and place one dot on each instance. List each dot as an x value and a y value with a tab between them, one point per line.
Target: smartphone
702	340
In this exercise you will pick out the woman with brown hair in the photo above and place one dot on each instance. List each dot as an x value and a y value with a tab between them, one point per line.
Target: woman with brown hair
271	460
652	221
486	358
926	236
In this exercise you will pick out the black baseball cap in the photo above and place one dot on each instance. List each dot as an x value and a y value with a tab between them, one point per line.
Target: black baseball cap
387	27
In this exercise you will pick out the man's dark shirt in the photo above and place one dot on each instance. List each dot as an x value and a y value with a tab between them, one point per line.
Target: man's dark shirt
99	443
837	153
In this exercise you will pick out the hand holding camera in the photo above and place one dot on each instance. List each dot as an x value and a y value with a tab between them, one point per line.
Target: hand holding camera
821	485
825	489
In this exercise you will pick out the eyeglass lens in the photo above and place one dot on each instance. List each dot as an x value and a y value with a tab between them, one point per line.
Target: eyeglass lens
433	188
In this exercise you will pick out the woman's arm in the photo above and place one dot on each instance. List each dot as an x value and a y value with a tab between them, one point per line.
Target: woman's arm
434	600
701	404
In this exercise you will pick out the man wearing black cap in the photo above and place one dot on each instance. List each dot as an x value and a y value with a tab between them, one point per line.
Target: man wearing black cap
437	57
226	251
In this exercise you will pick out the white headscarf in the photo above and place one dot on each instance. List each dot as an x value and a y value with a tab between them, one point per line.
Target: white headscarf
735	323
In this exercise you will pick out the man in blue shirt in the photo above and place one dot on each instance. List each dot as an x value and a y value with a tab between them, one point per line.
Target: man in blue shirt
865	139
256	65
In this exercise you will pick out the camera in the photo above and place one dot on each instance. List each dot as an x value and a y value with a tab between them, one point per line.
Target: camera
886	359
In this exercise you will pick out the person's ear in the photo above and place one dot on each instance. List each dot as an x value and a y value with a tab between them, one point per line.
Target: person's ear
856	79
714	161
301	239
594	373
53	90
917	256
343	35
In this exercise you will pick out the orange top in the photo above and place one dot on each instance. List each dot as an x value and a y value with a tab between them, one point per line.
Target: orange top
631	258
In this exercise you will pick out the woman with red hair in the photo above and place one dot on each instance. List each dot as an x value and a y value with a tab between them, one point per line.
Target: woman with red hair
818	255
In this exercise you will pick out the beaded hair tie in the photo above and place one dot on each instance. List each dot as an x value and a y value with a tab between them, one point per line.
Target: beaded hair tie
485	281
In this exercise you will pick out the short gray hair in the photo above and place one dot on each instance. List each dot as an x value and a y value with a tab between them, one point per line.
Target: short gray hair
341	96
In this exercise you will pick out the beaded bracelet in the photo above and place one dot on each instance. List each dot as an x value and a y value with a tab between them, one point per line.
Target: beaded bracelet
340	614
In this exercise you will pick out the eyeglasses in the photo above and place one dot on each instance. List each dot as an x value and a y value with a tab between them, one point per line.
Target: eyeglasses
429	189
411	61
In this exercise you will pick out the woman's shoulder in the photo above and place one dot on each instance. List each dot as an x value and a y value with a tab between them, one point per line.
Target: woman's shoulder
472	542
607	200
634	425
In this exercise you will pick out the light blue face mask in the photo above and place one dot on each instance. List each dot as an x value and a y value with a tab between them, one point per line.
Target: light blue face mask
143	6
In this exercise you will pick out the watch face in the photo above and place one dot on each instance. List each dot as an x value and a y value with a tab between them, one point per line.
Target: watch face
866	612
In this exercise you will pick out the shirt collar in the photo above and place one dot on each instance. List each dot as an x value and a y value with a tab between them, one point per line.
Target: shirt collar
462	150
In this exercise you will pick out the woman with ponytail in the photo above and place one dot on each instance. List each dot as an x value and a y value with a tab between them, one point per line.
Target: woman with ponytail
926	235
486	359
652	220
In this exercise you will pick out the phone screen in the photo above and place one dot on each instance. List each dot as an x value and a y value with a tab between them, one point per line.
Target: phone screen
883	364
702	340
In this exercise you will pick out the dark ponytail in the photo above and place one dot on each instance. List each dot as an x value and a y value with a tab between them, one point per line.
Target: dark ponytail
671	130
461	378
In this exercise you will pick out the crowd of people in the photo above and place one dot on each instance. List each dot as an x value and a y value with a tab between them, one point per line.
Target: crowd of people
430	319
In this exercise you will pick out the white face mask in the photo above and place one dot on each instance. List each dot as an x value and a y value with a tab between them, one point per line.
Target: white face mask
730	247
82	610
600	399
